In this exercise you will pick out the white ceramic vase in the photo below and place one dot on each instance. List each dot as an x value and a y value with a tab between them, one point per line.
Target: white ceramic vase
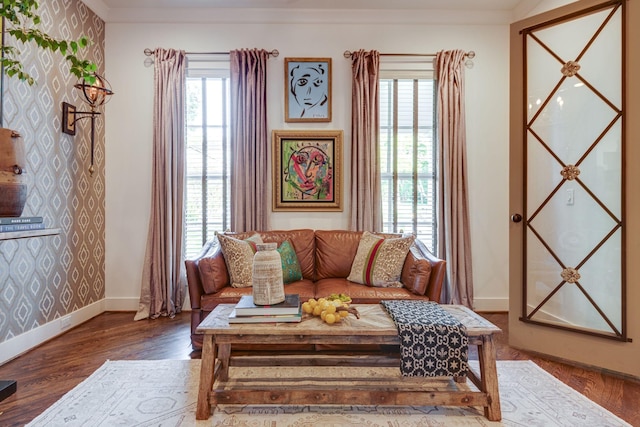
268	287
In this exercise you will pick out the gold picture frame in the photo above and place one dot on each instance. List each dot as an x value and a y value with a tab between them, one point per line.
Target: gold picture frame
307	89
307	170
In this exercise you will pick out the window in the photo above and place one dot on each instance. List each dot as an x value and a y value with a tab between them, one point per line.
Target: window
207	159
408	156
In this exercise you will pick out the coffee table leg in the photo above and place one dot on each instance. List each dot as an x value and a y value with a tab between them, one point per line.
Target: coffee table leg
208	363
224	354
489	378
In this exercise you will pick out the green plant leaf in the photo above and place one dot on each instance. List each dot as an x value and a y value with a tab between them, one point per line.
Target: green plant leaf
21	22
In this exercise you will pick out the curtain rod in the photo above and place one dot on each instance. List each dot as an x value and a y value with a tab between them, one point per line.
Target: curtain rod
471	54
149	52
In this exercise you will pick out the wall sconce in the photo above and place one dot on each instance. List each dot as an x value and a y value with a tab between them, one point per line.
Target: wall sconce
95	95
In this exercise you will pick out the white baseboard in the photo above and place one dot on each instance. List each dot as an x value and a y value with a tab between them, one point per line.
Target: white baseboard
132	304
16	346
22	343
121	304
491	304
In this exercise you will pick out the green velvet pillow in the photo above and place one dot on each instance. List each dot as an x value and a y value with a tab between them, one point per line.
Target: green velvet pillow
290	266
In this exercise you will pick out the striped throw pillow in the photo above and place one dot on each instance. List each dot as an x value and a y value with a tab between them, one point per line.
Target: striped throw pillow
379	261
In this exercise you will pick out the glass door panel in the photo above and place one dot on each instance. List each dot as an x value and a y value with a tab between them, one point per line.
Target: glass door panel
574	203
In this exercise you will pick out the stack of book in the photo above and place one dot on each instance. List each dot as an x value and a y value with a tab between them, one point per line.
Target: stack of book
245	311
21	223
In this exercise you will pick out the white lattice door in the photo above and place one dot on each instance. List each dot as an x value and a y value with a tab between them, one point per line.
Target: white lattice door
572	167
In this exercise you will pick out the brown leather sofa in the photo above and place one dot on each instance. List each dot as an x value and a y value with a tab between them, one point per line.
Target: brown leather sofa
325	258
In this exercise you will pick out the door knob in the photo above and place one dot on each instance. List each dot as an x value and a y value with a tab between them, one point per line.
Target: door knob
516	217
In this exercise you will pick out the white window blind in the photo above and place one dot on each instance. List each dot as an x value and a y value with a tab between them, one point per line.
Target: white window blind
207	146
408	150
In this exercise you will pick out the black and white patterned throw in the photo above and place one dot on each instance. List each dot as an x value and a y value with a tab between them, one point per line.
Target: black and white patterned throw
433	343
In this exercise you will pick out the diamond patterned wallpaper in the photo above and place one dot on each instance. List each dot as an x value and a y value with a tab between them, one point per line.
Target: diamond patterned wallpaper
43	278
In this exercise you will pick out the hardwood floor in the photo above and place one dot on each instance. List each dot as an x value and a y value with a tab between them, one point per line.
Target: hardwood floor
49	371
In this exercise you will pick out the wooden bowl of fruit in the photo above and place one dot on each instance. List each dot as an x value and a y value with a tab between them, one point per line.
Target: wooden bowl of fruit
344	298
331	311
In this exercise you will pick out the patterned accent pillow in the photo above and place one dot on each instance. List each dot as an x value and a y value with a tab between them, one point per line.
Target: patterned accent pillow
238	254
290	266
379	261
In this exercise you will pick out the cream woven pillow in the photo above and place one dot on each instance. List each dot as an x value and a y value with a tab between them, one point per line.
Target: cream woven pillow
238	254
379	261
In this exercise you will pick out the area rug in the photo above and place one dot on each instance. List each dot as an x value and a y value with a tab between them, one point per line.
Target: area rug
164	393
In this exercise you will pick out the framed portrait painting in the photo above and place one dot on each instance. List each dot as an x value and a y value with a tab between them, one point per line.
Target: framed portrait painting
307	89
307	169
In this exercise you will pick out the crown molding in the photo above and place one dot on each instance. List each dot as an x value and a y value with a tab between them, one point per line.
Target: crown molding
298	16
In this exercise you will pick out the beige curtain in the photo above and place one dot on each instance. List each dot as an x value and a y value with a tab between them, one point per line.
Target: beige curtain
163	276
454	242
366	197
250	201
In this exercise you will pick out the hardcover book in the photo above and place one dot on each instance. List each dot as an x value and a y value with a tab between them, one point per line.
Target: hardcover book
7	388
20	220
266	318
246	307
4	228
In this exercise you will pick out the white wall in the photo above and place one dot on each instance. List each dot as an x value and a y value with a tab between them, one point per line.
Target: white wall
129	128
546	5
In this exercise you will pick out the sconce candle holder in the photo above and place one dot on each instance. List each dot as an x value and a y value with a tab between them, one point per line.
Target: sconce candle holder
95	94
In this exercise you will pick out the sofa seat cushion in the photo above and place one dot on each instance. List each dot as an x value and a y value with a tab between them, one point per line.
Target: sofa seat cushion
361	294
303	287
230	295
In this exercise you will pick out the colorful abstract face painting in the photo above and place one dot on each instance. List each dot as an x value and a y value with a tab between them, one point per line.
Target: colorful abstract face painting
308	172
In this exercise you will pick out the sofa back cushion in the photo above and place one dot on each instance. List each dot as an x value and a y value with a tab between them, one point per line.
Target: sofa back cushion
335	251
302	241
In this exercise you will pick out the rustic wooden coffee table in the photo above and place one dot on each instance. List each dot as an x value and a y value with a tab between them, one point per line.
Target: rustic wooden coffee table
374	327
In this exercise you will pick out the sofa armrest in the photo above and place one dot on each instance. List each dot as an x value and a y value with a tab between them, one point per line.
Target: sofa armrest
194	279
415	270
210	250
